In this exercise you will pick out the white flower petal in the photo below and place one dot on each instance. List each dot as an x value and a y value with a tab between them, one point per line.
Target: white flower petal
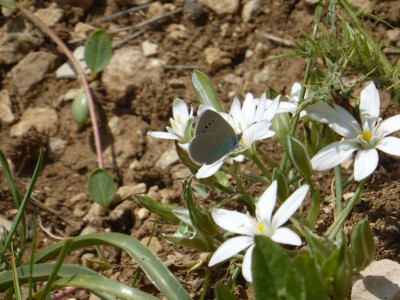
339	119
271	110
209	170
389	126
230	248
365	163
332	155
233	221
162	135
287	107
249	108
286	236
369	102
261	107
266	203
180	110
257	131
390	145
246	266
289	207
295	92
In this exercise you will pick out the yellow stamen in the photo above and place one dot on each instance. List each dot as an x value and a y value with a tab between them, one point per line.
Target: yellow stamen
260	227
367	135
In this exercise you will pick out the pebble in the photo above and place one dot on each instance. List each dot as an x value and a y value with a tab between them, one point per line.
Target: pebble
216	58
88	230
127	63
149	49
248	10
31	70
393	35
142	213
50	16
122	218
381	280
66	71
154	245
167	158
43	119
56	148
221	7
129	191
6	114
95	213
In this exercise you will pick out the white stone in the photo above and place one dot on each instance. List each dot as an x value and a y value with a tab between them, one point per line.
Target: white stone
381	280
56	148
216	58
149	48
393	34
78	198
43	119
248	9
143	213
66	71
168	158
221	7
128	191
6	114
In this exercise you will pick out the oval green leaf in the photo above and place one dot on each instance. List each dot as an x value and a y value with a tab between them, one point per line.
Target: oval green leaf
204	90
299	156
101	187
98	51
80	108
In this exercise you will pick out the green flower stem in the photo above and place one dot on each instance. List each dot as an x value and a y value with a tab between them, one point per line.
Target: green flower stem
268	160
339	190
313	214
294	179
261	166
234	277
317	18
341	218
345	184
244	195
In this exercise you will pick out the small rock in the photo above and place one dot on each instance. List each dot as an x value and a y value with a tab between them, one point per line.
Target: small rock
193	11
127	63
262	76
393	35
81	197
128	191
143	213
50	16
180	172
87	259
88	230
31	70
311	2
176	83
154	245
381	280
66	71
115	126
95	213
248	9
6	114
43	119
221	7
81	30
16	41
94	297
5	223
362	5
132	2
122	218
156	9
56	148
168	158
217	58
233	79
261	50
149	48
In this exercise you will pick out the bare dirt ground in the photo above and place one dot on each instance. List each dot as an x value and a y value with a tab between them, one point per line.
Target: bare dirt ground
60	195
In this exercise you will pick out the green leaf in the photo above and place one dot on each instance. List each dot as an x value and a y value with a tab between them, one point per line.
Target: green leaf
101	187
222	292
283	189
80	108
204	90
8	4
362	245
199	242
304	280
162	210
269	266
299	156
98	51
151	265
280	124
200	218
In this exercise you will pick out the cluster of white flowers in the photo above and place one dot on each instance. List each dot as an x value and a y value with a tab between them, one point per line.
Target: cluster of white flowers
251	123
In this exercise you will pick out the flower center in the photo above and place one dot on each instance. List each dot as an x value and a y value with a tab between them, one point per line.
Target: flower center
260	227
367	135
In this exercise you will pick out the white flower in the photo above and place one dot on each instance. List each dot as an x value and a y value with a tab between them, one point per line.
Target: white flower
181	124
365	139
263	224
252	120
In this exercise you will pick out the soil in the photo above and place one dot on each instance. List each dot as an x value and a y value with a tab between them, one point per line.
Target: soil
60	197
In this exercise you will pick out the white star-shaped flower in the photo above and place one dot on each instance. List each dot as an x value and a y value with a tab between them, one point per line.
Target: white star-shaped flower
366	138
263	224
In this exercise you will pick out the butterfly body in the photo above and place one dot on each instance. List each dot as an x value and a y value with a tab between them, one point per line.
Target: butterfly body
214	138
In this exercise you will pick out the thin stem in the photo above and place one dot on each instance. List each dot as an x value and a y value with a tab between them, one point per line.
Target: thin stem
339	190
339	222
261	166
79	71
345	184
268	160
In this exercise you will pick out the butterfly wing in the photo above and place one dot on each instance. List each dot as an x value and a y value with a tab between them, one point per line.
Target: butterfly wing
214	138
